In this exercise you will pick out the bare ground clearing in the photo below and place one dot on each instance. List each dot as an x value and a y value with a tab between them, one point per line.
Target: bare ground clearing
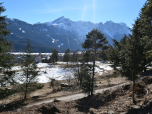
117	101
103	81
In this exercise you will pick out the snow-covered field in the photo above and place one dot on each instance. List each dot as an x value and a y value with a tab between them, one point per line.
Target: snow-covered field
56	72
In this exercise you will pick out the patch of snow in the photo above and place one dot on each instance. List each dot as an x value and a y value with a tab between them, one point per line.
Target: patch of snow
54	73
105	67
98	70
16	68
48	71
54	24
45	30
23	31
39	65
53	40
11	33
12	19
19	28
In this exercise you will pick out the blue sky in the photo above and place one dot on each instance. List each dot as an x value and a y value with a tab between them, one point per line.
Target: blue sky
32	11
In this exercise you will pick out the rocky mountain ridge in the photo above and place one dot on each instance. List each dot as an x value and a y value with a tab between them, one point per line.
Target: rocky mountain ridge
109	28
61	33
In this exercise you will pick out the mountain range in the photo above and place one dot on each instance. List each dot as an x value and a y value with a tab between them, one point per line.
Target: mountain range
61	33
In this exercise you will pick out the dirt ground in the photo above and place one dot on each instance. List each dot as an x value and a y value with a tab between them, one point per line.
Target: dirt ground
102	81
118	101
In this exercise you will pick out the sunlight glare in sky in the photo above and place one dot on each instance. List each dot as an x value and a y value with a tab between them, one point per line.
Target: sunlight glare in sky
32	11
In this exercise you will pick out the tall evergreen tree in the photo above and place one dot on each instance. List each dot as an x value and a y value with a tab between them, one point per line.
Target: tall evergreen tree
94	40
54	56
145	30
74	57
66	57
127	56
124	39
86	80
86	72
5	47
29	69
136	55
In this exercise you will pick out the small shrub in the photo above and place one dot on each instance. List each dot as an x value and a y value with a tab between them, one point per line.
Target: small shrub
7	92
52	82
35	86
32	87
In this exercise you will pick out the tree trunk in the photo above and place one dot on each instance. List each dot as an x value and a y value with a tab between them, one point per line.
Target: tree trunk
26	85
92	78
25	91
133	97
145	69
145	62
93	70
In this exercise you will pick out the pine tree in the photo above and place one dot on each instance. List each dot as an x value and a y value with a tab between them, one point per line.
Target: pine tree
94	40
5	47
29	69
124	39
145	30
54	56
86	56
86	72
127	56
66	57
86	81
74	57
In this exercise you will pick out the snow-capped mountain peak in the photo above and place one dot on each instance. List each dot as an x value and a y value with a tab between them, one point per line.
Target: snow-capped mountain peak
82	28
37	23
61	20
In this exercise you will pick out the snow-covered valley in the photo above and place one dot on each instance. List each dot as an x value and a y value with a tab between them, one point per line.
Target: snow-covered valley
48	71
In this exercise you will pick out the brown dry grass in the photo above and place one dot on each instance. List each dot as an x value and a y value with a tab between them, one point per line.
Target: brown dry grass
108	79
46	91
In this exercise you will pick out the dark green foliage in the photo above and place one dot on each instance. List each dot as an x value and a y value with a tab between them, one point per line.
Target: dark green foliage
66	57
34	86
52	83
134	54
129	54
124	40
29	68
7	78
102	55
86	56
54	56
86	81
94	40
7	92
31	87
74	57
145	30
86	71
5	47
